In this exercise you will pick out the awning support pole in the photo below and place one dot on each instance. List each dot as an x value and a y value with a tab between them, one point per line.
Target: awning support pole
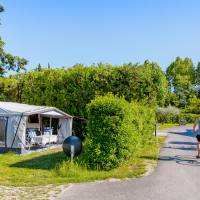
50	121
17	130
6	132
40	129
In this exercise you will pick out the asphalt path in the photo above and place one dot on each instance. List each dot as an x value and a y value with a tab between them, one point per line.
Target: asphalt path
177	176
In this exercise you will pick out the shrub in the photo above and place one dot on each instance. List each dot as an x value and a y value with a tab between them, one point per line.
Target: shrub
115	131
143	121
169	114
193	106
9	89
186	118
172	114
108	140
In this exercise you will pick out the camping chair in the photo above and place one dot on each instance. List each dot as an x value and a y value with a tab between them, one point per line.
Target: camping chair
30	134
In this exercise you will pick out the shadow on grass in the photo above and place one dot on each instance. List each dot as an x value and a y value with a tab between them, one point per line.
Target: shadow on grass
45	162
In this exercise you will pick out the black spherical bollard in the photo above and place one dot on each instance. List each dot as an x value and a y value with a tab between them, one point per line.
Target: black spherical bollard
72	141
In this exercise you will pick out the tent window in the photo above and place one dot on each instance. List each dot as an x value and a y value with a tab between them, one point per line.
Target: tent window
33	119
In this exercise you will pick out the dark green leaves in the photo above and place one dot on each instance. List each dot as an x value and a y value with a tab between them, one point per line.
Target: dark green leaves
116	130
181	76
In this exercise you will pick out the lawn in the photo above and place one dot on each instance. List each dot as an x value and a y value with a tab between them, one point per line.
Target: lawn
166	125
53	167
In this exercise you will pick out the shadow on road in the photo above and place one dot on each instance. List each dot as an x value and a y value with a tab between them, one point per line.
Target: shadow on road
182	159
183	143
182	148
188	133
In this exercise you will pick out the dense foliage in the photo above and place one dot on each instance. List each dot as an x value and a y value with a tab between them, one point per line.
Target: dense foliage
181	75
187	118
9	89
172	114
193	106
115	130
168	114
73	88
143	121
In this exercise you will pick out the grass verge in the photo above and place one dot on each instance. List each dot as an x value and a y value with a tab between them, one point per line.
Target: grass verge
163	126
53	167
168	125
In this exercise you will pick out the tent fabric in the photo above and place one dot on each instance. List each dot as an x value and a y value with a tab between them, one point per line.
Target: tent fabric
2	128
2	110
16	129
52	113
17	114
65	129
18	108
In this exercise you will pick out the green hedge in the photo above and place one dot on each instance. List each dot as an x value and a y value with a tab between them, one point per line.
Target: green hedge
116	130
186	118
168	118
143	122
168	114
71	89
9	90
172	114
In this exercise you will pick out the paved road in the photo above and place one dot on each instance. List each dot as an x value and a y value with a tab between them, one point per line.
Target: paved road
176	177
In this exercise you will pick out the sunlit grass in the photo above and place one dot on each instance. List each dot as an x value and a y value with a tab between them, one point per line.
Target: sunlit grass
53	167
163	126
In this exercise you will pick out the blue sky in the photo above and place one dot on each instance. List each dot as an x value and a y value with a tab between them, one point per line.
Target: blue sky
65	32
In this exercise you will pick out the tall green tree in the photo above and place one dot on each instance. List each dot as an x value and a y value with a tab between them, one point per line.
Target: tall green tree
198	74
39	67
153	85
198	80
8	61
181	76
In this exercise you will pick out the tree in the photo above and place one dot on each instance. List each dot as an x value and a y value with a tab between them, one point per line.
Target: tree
181	76
198	79
8	61
153	85
39	67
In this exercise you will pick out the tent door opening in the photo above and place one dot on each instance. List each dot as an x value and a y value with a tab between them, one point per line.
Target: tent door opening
53	123
3	123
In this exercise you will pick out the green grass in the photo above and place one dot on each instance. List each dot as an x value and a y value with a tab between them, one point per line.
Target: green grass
53	167
163	126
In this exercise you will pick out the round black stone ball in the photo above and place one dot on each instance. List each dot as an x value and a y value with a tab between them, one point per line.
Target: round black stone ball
76	142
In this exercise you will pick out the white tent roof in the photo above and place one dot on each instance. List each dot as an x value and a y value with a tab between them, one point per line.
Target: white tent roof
18	108
52	113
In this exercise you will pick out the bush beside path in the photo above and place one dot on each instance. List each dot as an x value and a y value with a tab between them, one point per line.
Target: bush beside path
176	177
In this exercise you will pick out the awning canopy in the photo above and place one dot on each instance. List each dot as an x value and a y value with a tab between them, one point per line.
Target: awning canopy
10	108
52	114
